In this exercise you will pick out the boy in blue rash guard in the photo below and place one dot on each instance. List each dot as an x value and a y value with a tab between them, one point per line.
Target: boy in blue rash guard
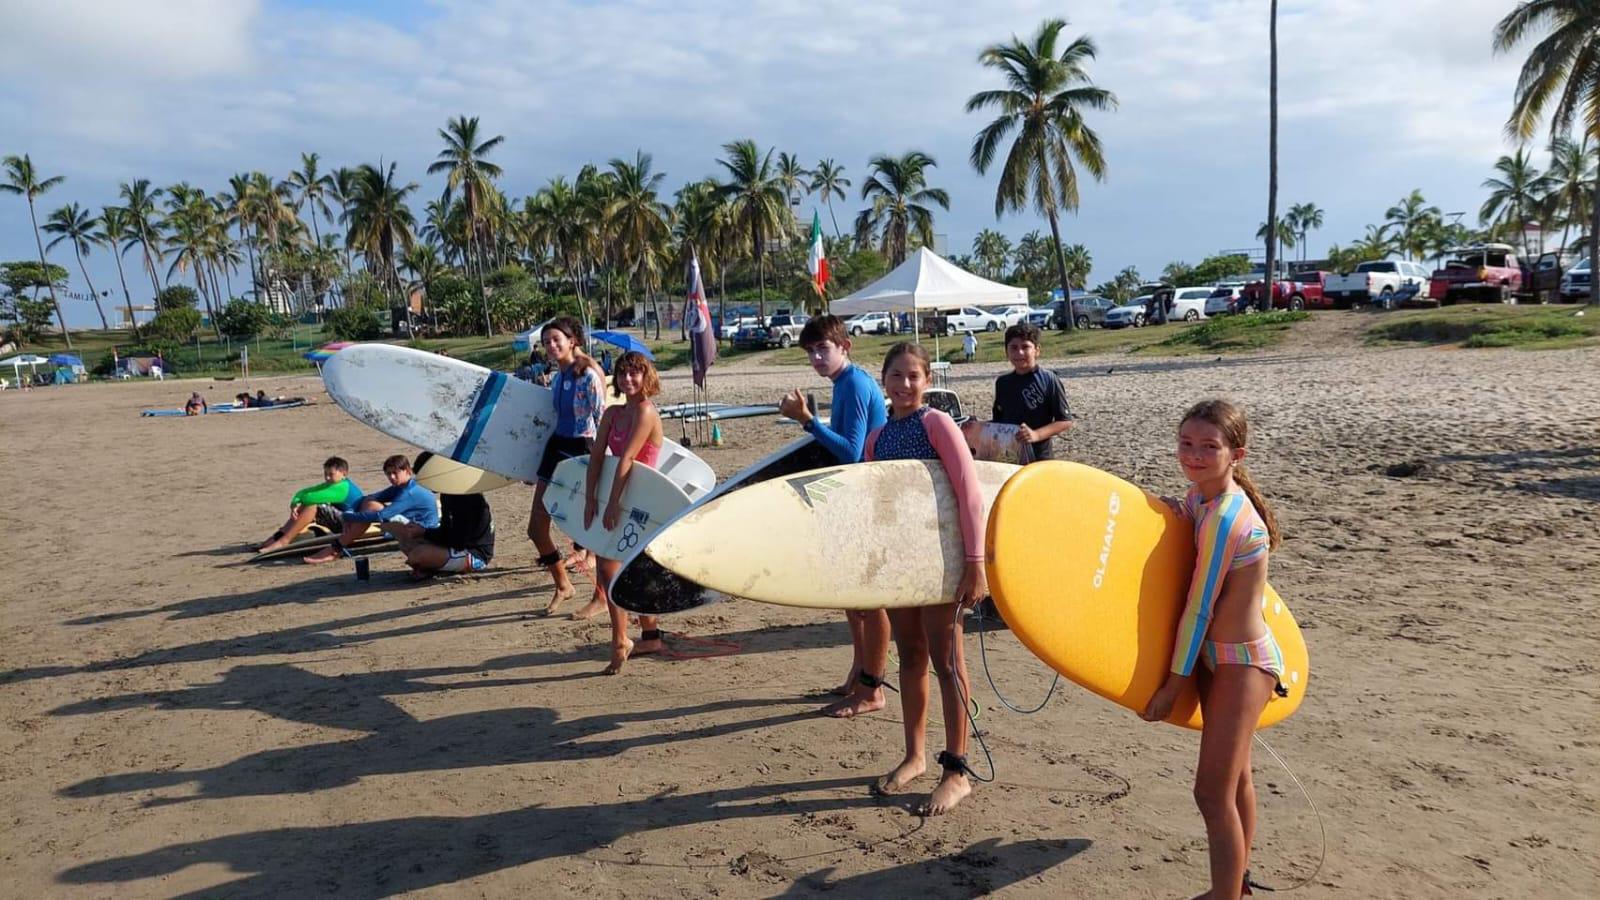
403	501
858	408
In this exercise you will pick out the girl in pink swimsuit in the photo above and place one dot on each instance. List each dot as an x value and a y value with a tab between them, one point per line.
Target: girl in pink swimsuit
1222	627
931	634
632	433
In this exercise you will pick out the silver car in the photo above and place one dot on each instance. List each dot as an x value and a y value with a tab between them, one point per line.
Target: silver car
1130	315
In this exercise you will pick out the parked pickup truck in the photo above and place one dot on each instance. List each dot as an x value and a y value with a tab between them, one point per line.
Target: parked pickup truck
1487	273
1306	290
782	330
1375	281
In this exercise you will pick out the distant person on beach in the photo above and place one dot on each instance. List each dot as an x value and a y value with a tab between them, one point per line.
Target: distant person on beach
196	405
242	401
325	504
969	347
857	408
1030	397
535	369
579	386
932	634
463	541
1222	626
403	502
632	434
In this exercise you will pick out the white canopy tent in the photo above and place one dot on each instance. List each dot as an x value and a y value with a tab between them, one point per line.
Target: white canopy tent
927	281
26	359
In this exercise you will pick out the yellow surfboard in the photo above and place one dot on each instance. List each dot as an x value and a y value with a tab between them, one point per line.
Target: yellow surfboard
1092	573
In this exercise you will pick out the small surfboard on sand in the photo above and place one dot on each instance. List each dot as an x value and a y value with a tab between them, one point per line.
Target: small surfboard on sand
867	536
648	501
643	586
1091	573
306	544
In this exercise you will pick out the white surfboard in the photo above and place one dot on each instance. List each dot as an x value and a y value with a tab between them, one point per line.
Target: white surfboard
488	420
649	500
866	536
443	475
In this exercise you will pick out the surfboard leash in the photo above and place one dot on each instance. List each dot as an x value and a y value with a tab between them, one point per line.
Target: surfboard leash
1321	827
967	704
983	653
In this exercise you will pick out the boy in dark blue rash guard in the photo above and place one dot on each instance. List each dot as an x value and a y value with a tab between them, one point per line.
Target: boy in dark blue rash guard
403	502
857	409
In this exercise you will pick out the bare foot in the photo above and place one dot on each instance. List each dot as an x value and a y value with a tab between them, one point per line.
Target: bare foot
619	655
326	556
273	544
953	788
902	776
855	705
646	647
559	597
589	610
849	685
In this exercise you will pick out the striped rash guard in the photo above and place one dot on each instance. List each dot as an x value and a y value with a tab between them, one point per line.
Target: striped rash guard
1228	535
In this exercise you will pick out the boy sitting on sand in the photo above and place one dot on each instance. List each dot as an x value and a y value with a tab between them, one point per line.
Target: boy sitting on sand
403	502
462	542
325	503
1028	396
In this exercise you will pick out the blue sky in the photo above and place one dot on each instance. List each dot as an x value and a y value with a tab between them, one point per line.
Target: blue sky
1377	98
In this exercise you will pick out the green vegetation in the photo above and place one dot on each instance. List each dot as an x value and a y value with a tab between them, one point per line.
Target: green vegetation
1526	327
1232	333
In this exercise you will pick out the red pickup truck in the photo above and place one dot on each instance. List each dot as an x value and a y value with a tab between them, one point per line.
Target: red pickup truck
1489	273
1303	291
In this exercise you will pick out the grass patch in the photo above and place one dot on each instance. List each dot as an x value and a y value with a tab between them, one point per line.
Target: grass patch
1232	333
1530	327
869	350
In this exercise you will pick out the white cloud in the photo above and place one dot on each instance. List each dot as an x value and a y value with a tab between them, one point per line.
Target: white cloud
168	40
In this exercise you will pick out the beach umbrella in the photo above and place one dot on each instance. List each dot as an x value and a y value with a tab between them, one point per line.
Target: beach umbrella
624	340
325	352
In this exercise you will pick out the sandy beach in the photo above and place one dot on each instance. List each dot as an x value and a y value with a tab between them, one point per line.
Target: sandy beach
177	720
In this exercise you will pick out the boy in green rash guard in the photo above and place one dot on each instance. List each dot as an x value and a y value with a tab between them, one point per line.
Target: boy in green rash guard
325	503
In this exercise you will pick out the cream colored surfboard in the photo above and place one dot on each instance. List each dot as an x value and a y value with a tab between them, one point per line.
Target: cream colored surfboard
443	475
867	536
1091	574
648	501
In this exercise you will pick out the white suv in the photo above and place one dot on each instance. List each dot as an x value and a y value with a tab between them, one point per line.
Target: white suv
868	323
1222	299
971	318
1013	315
1189	303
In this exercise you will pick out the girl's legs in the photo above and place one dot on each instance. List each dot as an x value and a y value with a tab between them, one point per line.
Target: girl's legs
857	628
869	639
912	644
1231	704
650	640
945	651
539	533
621	647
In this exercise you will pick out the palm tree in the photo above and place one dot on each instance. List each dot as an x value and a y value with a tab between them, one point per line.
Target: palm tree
639	222
1272	223
74	223
139	199
116	233
311	188
792	177
342	192
756	202
1376	243
23	180
1516	191
1044	102
467	171
899	195
190	234
1572	173
828	180
700	225
1307	217
993	250
380	222
1078	263
1565	63
1284	232
1407	218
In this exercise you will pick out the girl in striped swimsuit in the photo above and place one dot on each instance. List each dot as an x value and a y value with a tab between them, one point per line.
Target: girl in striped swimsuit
1222	626
931	634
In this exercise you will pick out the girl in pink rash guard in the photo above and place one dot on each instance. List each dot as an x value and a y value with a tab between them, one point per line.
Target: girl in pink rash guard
931	633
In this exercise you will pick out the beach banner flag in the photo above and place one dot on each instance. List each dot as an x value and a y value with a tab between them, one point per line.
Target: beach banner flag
817	260
702	343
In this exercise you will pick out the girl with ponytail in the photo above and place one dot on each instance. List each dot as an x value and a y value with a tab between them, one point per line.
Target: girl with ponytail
1222	626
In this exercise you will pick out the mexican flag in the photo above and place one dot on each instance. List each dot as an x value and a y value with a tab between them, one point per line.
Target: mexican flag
817	260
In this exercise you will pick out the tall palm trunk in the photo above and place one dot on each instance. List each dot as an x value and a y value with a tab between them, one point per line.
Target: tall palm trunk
133	321
1265	303
250	245
93	294
836	234
1594	242
200	282
44	272
1061	271
761	272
